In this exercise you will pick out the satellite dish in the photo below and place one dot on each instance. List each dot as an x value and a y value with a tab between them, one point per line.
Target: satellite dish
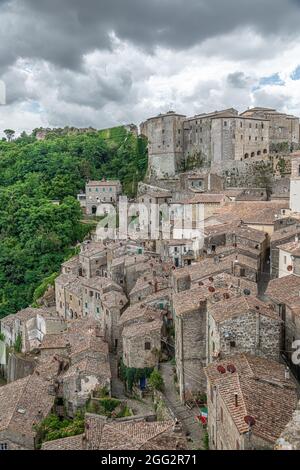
250	421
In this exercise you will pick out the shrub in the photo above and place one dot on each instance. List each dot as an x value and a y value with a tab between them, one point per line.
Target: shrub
156	381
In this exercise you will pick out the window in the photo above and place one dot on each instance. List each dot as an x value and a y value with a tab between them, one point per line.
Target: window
225	123
241	124
147	346
249	137
262	125
201	140
232	344
250	126
3	446
98	310
96	190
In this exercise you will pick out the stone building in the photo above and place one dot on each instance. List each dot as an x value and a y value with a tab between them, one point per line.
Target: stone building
180	252
165	144
283	128
92	259
31	325
242	325
250	401
284	293
190	307
197	181
68	296
142	344
72	266
93	292
99	192
146	286
178	143
281	237
23	404
289	258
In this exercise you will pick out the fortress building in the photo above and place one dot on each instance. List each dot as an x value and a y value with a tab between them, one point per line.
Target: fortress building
178	143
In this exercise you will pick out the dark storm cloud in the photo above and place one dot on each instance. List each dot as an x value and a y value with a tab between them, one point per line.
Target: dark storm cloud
61	31
46	55
238	80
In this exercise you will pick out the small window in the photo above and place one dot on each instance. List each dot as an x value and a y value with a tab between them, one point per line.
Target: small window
225	123
232	344
147	346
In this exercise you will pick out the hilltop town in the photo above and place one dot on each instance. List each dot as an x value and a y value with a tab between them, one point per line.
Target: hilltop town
172	337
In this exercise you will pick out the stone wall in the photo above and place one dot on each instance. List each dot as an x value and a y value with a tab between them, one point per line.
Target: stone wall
190	339
19	367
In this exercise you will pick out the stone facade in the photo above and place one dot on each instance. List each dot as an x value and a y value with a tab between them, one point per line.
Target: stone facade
242	325
99	192
250	400
207	140
165	140
142	344
283	127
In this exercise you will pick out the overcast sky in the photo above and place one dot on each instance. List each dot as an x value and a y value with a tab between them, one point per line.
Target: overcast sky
106	62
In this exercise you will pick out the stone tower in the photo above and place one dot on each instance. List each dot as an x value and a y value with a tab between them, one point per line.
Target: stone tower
295	183
165	144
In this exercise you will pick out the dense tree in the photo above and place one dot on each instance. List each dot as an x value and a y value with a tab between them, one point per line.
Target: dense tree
36	235
9	134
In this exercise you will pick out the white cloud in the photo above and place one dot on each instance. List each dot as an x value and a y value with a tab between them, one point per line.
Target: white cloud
128	83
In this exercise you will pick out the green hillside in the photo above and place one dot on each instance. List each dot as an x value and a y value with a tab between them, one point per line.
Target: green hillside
35	234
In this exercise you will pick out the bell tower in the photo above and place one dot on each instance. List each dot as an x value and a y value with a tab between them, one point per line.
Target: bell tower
295	183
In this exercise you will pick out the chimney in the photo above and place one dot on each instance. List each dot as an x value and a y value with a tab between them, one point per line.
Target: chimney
236	401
